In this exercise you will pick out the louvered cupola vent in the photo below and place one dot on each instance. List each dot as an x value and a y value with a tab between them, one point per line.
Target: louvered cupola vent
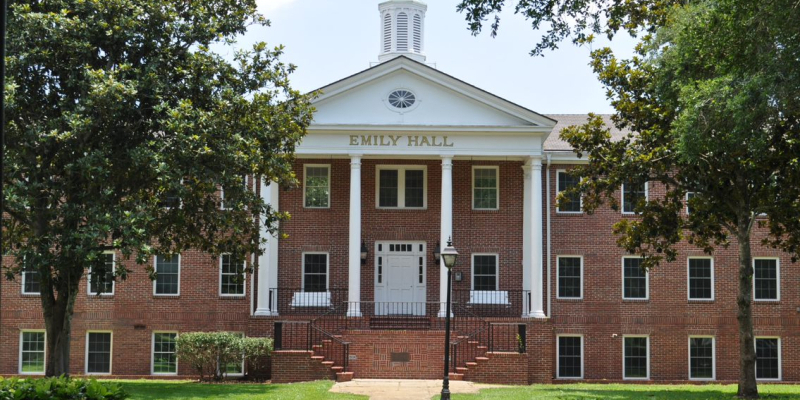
402	29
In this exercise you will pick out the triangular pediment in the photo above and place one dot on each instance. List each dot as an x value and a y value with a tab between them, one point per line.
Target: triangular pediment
439	100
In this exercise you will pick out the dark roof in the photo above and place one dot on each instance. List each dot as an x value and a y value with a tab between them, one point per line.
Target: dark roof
554	141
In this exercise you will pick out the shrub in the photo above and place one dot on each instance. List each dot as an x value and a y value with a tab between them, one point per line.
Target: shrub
61	388
216	354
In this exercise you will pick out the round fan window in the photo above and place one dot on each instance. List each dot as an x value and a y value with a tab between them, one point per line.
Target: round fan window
402	99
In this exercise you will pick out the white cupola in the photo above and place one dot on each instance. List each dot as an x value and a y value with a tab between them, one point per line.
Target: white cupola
402	29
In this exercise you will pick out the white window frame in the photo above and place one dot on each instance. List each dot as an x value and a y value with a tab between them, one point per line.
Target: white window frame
646	282
155	268
24	274
244	278
180	201
222	192
327	270
689	279
243	360
496	270
558	179
401	186
153	355
777	279
648	358
497	187
687	201
558	274
110	354
780	359
305	180
558	356
113	283
713	357
622	198
19	364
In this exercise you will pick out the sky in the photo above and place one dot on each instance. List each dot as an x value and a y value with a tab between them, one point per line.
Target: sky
332	39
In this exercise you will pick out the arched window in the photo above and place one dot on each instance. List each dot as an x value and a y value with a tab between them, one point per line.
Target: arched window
417	33
387	33
402	32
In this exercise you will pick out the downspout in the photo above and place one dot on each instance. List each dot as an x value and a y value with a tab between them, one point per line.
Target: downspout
549	285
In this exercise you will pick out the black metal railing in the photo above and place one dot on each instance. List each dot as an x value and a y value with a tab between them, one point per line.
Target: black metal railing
494	303
506	337
304	335
297	301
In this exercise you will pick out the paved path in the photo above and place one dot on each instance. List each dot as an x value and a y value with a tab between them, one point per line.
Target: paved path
403	389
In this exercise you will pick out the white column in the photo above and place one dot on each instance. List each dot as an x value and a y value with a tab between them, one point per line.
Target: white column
268	260
446	227
354	253
526	237
537	307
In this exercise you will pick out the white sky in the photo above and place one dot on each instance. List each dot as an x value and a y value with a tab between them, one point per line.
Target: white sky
332	39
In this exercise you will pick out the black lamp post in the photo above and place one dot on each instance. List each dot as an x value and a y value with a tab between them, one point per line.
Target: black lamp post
449	255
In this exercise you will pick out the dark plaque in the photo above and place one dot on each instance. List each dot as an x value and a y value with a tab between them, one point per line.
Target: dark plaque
401	357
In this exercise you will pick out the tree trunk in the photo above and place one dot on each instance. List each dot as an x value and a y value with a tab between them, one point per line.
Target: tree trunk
58	323
748	388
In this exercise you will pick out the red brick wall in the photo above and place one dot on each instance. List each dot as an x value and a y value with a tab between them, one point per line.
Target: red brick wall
298	366
373	349
501	368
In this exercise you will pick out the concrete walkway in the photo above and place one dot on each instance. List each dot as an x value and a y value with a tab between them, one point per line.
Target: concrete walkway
403	389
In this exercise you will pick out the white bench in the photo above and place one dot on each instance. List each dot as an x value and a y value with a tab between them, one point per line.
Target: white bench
311	299
488	297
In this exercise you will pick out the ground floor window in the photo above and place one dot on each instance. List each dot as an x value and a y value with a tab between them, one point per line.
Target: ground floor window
636	350
570	357
98	353
768	358
32	352
164	359
235	368
701	357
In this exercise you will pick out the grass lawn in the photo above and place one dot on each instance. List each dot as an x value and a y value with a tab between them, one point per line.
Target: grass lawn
190	390
629	392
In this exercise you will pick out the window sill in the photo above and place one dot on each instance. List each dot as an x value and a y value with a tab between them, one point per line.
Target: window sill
635	300
570	299
402	208
166	296
766	302
569	213
102	296
30	295
486	209
232	297
701	301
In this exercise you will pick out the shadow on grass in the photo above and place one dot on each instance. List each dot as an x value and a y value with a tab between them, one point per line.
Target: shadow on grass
640	392
149	390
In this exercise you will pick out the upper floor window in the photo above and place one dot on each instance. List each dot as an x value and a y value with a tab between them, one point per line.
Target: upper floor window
570	277
231	276
402	187
571	204
101	275
30	279
632	194
315	272
766	279
168	275
228	201
485	188
634	279
701	279
317	186
484	272
689	196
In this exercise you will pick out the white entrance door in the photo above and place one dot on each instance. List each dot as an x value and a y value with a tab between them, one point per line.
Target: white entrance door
400	278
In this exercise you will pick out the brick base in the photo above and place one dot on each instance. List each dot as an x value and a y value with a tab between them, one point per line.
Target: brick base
297	366
501	368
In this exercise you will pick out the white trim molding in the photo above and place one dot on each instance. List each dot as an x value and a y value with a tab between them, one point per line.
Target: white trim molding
155	268
558	355
558	191
243	275
625	372
777	279
646	281
558	276
401	185
110	353
713	357
496	168
689	278
305	185
113	283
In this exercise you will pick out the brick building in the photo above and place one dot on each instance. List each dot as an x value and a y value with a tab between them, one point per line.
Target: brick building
400	158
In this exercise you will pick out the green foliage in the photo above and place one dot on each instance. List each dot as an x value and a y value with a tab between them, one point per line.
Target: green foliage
216	354
61	388
627	391
184	390
122	127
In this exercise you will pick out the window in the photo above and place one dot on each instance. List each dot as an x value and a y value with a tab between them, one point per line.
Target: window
571	204
30	279
634	279
632	195
570	357
168	275
766	279
768	358
485	191
484	272
636	356
235	368
231	276
164	359
231	204
570	277
101	275
32	352
98	352
701	279
689	196
701	357
317	190
401	187
315	272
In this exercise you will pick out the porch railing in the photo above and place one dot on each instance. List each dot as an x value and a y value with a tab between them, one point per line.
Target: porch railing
297	301
304	335
494	303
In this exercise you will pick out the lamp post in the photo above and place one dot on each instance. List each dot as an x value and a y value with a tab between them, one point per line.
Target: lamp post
449	255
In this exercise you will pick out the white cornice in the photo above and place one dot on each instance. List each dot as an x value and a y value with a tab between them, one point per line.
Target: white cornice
464	130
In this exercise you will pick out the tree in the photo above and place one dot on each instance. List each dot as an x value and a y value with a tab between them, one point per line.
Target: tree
713	95
123	126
